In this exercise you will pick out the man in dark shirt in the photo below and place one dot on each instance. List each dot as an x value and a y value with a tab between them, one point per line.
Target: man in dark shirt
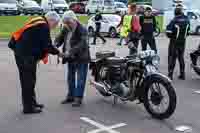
98	19
177	31
148	24
31	44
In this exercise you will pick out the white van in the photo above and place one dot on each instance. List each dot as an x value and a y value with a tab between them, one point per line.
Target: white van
104	6
8	7
193	15
60	6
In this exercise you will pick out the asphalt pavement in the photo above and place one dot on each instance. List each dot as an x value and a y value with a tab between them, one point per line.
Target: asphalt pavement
98	114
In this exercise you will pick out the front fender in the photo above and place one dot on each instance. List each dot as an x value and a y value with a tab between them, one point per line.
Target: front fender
157	75
148	80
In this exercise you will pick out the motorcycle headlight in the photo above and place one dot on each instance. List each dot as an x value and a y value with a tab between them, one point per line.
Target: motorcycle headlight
156	61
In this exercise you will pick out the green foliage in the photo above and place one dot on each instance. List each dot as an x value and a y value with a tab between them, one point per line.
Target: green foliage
9	24
38	1
139	1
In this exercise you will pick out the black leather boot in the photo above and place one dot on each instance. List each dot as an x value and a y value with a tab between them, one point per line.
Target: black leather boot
170	75
181	76
68	100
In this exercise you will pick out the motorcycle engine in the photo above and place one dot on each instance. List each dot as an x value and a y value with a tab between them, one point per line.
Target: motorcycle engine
115	77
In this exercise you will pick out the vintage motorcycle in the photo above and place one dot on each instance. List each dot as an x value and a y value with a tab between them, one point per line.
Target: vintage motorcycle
133	78
195	59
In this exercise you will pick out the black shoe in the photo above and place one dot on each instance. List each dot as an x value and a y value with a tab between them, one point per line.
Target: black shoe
37	105
77	102
104	42
181	77
32	111
68	100
170	76
119	44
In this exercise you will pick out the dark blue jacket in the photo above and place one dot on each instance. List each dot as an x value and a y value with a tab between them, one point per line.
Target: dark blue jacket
178	28
35	41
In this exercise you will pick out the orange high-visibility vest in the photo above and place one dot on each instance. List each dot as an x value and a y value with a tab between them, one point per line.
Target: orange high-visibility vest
33	22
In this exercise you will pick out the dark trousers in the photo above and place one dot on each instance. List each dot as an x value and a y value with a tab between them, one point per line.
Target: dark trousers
151	41
77	75
176	50
133	46
97	34
27	72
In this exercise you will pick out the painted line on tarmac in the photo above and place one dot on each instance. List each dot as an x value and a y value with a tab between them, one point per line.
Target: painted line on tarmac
102	128
197	92
184	128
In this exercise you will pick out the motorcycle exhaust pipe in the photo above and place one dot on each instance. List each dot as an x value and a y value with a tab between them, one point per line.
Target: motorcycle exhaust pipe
98	86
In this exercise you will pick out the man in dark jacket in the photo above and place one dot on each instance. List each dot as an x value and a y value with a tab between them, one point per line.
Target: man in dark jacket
31	44
148	24
177	31
98	20
74	37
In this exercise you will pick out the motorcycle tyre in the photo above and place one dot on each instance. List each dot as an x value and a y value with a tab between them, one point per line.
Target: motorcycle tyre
172	97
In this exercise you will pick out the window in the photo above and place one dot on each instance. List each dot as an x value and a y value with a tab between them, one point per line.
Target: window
7	1
30	4
191	15
121	6
59	2
108	2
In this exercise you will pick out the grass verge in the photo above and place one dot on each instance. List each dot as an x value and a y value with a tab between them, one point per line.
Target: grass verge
9	24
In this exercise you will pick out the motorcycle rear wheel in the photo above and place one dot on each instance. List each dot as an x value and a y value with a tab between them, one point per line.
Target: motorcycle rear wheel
156	97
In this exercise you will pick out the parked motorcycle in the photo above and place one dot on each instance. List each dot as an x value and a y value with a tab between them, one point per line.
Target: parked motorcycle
195	59
135	77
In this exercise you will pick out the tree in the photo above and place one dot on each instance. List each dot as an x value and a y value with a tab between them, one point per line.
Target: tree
38	1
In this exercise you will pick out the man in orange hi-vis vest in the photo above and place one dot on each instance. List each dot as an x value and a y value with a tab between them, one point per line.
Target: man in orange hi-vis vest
31	44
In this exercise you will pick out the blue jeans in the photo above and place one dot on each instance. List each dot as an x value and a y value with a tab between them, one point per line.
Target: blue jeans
77	75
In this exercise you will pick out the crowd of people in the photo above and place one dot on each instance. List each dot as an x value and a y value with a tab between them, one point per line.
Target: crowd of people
33	43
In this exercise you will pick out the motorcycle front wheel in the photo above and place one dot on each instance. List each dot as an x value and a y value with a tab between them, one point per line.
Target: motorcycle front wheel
160	98
197	67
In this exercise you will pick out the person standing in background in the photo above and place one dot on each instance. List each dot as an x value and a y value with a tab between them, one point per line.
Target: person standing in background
120	27
148	24
98	20
177	31
131	25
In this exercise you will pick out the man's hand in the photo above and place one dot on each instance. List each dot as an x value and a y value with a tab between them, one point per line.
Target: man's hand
63	55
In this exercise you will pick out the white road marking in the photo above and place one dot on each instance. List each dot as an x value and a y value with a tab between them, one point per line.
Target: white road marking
197	92
184	128
102	127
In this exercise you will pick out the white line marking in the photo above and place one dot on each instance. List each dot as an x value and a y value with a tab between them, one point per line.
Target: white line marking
102	127
197	92
184	128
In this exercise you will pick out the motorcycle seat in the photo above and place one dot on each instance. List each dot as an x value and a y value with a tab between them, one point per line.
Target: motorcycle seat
104	54
115	60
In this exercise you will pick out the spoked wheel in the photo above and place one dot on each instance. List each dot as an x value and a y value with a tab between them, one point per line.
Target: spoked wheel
197	67
160	98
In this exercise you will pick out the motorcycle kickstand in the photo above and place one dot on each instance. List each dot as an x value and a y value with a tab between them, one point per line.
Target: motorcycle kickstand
115	100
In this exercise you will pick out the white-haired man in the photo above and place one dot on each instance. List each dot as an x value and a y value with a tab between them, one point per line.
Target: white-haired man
31	44
73	37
